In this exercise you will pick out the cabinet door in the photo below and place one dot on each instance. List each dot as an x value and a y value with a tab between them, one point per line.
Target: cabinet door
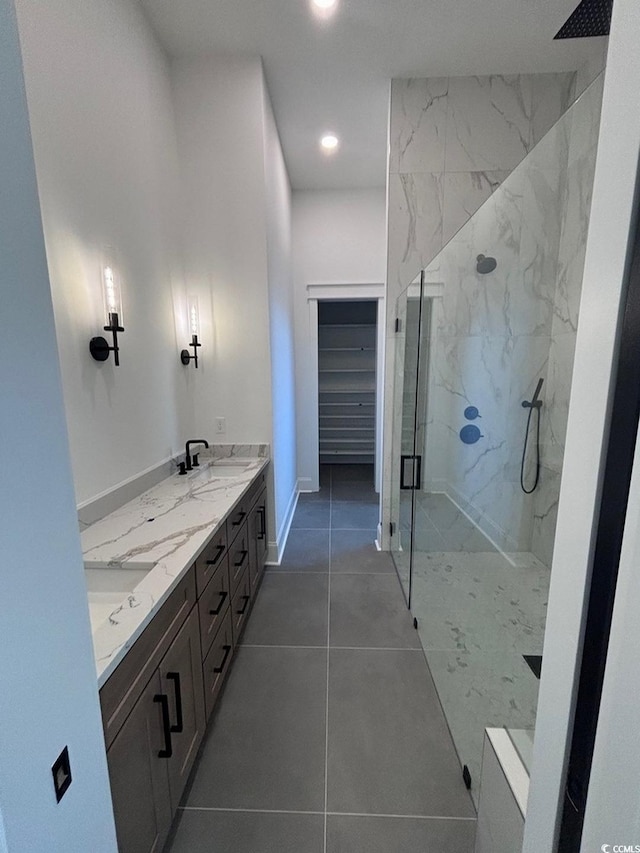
139	777
263	539
258	539
255	522
181	680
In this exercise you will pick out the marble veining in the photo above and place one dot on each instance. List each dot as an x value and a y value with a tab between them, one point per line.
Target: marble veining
162	530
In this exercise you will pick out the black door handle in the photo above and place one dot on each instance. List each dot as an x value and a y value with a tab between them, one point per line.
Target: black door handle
175	677
242	559
239	519
217	556
246	604
263	522
227	649
223	598
167	752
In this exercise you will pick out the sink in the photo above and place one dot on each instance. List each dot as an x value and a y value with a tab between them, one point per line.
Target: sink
227	470
108	586
228	467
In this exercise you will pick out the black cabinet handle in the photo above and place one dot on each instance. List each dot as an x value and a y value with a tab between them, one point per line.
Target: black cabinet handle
227	650
246	599
223	598
175	677
263	522
239	519
241	560
167	752
217	556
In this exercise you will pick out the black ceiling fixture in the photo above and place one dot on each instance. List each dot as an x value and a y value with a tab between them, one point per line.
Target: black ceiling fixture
590	18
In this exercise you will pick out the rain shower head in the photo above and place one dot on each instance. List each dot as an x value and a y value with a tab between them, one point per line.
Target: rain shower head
485	264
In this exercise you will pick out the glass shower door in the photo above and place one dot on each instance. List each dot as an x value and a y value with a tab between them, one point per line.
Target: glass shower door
408	428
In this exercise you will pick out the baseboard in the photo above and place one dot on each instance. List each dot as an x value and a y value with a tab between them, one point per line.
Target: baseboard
276	549
305	484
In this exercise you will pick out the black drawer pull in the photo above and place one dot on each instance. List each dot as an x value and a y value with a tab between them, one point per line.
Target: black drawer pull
175	677
263	522
167	752
239	519
227	650
223	598
246	599
241	560
217	556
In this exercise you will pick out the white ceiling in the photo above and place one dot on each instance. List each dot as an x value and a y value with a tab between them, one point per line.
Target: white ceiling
334	75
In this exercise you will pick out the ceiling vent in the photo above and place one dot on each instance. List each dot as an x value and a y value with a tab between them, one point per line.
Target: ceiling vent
590	18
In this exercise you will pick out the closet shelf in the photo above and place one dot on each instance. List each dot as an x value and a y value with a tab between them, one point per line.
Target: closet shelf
347	388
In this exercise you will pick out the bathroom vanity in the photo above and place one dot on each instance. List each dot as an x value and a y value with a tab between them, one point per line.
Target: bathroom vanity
171	577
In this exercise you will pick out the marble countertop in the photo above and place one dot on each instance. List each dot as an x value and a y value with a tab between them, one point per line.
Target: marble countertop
151	542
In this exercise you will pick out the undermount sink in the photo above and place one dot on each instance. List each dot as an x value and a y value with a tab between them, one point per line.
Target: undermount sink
228	467
226	470
107	586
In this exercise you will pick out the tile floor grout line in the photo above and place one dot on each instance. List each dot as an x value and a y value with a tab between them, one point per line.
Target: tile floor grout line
247	811
401	816
326	709
319	813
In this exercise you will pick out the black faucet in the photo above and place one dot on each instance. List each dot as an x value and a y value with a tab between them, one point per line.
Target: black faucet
193	462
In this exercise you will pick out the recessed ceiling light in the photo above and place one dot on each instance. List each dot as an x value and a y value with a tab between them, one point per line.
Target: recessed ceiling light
329	143
324	9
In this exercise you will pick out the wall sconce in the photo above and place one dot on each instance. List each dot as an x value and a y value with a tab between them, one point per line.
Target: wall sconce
193	316
99	347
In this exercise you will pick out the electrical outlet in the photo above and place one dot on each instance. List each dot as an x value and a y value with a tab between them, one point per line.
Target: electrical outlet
221	426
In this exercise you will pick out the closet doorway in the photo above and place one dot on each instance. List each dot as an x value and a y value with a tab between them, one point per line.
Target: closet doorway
348	383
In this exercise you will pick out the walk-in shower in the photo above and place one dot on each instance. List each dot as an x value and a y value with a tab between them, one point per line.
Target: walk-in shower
484	358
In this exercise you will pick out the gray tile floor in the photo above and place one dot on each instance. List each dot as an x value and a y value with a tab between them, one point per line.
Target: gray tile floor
329	737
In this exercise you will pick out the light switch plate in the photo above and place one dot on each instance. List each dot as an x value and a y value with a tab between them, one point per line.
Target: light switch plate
221	426
61	772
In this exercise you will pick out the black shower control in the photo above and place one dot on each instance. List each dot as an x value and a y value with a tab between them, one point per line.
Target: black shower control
61	772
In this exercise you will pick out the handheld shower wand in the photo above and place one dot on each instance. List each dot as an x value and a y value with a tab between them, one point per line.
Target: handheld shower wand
534	405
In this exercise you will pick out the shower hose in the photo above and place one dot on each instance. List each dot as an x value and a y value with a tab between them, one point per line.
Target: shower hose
524	451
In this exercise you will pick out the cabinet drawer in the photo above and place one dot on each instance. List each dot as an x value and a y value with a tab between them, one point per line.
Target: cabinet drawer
254	491
213	605
238	557
217	662
236	520
240	603
120	693
211	558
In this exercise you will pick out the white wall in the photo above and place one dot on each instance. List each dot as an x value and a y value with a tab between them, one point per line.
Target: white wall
616	757
218	105
49	695
102	122
339	237
612	814
278	219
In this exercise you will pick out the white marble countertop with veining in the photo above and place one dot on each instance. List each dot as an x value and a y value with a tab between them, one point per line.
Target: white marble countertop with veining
156	537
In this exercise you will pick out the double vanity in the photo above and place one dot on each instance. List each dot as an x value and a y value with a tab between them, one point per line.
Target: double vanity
171	577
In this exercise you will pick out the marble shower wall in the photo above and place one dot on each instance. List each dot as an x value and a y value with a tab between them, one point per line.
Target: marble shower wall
495	335
453	140
452	143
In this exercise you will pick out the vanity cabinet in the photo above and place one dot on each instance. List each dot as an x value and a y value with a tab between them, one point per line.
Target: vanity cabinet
139	780
156	704
152	754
